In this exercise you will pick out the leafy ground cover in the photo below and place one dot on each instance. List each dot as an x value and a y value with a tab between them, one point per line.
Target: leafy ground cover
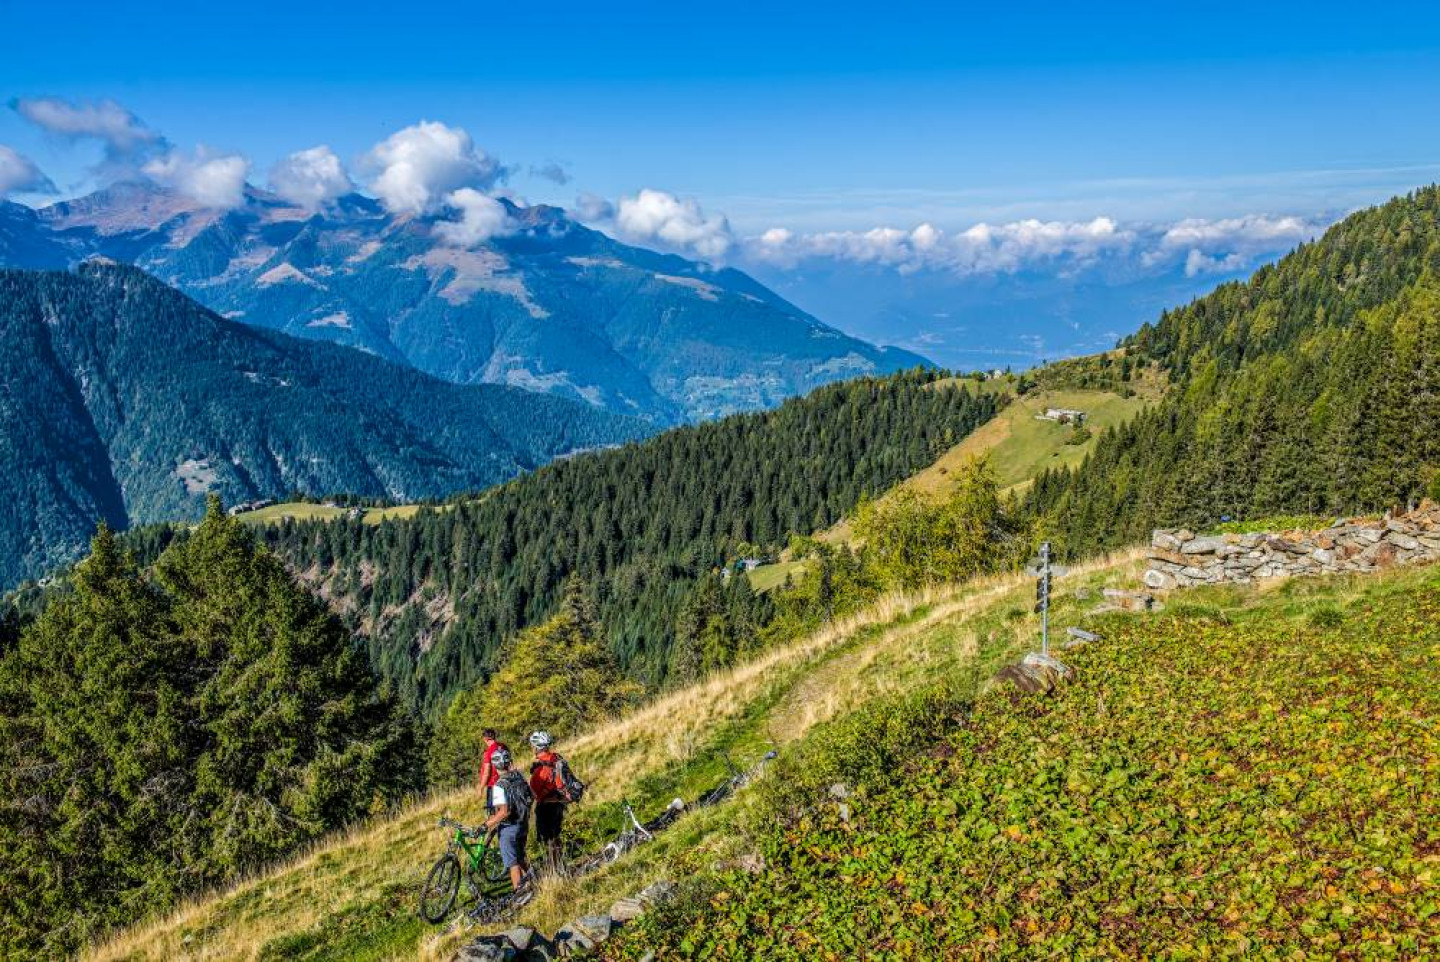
1251	773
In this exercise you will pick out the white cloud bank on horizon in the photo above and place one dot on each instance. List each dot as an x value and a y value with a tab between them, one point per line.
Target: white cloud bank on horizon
1228	244
419	167
310	178
18	174
981	249
1196	245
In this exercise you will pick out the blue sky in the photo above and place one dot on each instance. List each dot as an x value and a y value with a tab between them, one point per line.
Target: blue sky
822	115
823	123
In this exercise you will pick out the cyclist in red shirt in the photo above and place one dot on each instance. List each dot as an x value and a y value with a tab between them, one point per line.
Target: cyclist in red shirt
488	775
549	796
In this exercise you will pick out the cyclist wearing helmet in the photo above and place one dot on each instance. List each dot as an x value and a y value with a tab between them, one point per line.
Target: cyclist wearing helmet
546	786
510	801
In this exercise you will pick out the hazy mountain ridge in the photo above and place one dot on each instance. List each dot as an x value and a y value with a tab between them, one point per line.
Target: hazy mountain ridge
128	402
547	305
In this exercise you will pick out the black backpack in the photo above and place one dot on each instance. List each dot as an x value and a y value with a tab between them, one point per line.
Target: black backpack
518	797
570	784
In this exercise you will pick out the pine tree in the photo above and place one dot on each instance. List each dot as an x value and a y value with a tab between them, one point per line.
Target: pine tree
297	739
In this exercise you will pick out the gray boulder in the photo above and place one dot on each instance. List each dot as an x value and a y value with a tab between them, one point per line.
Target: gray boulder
1206	545
1164	540
1160	580
656	893
627	909
487	948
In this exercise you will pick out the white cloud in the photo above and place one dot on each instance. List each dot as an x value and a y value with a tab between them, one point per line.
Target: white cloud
416	168
1196	245
104	120
657	216
18	173
310	178
981	249
1197	263
210	179
593	209
1228	244
132	148
481	218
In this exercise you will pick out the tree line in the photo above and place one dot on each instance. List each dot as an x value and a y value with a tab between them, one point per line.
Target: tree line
437	595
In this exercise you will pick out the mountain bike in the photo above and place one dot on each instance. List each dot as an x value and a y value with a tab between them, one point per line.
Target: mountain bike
479	864
738	779
636	833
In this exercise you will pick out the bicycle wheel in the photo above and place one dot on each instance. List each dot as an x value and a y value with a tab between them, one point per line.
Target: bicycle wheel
492	866
441	887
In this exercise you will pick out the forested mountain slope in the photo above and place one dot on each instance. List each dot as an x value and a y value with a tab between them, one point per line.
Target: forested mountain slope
545	304
125	401
436	594
1313	387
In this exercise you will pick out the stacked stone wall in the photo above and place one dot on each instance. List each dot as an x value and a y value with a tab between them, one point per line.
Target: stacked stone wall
1181	559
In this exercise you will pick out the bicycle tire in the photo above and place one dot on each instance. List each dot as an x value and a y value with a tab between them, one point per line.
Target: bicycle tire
442	885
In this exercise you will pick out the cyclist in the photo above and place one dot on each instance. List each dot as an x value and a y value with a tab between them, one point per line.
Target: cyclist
488	775
547	786
510	801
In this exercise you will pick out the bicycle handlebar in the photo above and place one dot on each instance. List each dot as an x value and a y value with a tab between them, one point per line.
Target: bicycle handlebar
447	822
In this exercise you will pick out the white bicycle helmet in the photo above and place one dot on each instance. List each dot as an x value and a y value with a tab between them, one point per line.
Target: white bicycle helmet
500	758
541	740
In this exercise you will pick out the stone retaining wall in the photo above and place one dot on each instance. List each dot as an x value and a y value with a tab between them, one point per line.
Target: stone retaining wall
1180	559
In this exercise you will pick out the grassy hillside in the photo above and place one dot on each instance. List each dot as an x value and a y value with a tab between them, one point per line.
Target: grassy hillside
353	898
1210	780
1019	445
308	511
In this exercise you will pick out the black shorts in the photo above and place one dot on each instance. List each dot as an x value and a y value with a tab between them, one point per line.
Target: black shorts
549	817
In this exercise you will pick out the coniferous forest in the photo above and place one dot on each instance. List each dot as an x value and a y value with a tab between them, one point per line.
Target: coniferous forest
435	596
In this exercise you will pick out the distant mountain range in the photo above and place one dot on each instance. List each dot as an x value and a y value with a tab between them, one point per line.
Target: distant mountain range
123	400
547	305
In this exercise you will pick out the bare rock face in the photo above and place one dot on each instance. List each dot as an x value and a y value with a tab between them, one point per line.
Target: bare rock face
1180	559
